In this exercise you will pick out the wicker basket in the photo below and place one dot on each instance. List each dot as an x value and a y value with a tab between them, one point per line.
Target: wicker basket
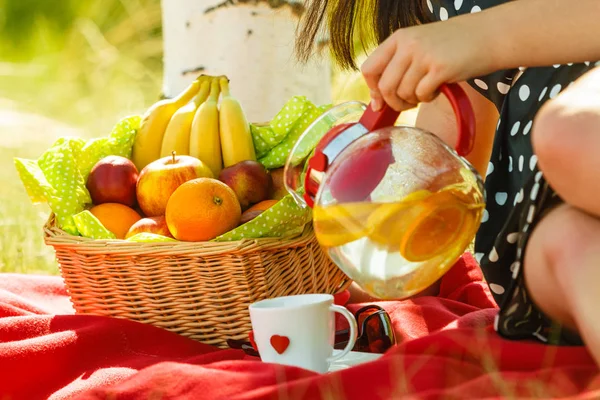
199	290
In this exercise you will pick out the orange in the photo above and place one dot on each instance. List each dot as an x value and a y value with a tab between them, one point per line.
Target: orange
435	228
263	205
116	217
202	209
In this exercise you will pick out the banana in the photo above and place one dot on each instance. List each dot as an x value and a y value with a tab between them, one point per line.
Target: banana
236	140
148	141
205	143
177	135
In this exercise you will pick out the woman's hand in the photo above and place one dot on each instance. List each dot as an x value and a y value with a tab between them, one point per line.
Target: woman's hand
410	66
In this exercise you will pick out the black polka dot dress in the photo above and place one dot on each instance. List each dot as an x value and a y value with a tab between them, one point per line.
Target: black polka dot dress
516	191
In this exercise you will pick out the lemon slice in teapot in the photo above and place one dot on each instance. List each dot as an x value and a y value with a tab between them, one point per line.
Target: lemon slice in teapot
338	224
388	222
439	223
433	233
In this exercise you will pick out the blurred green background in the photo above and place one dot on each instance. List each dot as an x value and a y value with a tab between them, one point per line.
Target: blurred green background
97	57
69	67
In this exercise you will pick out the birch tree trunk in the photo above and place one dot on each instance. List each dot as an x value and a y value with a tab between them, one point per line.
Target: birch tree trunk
250	41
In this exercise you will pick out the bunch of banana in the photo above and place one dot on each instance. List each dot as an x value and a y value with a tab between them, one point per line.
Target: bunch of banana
195	124
148	140
236	139
205	142
177	134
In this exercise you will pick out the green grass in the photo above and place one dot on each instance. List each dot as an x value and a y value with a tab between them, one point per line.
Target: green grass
21	247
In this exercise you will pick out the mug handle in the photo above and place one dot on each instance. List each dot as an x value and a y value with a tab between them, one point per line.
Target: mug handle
353	331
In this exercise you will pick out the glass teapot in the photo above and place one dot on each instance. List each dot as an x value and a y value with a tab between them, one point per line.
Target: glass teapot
393	206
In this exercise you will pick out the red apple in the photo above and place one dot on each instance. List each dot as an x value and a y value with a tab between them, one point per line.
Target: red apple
157	225
113	180
256	210
278	190
159	179
250	181
248	215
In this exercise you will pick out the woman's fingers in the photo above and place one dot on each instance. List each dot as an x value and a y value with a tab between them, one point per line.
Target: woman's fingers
390	80
408	85
377	101
374	67
427	88
376	63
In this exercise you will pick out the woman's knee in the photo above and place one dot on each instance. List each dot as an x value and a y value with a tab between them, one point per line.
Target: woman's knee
561	241
566	140
562	234
547	259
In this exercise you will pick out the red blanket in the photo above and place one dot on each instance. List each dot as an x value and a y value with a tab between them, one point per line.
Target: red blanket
448	350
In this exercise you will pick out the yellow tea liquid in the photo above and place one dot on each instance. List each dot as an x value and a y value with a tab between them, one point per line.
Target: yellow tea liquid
395	250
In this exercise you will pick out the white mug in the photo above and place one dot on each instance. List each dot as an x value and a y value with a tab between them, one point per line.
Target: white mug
299	330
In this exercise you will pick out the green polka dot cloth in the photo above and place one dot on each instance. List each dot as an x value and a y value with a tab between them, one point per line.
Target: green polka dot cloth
260	133
282	219
58	177
267	136
89	226
274	141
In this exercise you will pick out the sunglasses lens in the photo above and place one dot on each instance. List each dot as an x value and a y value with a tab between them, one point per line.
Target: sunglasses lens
376	333
242	345
364	313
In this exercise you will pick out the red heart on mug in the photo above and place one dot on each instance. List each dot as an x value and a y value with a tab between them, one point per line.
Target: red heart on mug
280	343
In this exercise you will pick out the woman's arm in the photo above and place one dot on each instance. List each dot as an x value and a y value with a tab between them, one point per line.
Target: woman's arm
409	66
438	117
540	32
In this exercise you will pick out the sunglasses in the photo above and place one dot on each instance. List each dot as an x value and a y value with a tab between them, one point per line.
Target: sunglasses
375	334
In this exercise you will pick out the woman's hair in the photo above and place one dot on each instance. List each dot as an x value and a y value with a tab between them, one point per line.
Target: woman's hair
369	21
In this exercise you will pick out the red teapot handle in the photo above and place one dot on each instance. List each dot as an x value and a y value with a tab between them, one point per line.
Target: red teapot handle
461	105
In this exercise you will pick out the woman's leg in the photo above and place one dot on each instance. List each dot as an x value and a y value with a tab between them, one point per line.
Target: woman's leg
566	140
562	271
562	258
